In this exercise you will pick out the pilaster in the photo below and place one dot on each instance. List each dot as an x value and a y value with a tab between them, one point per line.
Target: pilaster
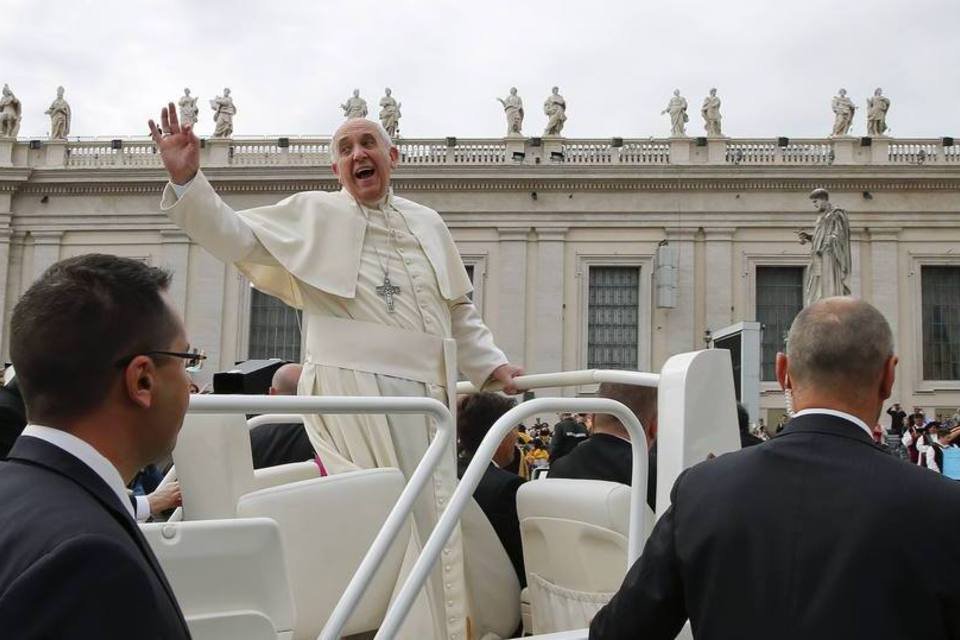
175	254
680	320
46	250
511	319
719	277
548	303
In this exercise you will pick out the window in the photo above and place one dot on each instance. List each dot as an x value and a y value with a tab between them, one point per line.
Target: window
612	317
779	300
274	328
940	293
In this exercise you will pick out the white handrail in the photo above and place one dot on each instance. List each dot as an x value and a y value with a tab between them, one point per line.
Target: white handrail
575	378
275	418
401	510
471	478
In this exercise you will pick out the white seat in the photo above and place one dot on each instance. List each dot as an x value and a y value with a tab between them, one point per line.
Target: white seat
229	576
327	525
575	536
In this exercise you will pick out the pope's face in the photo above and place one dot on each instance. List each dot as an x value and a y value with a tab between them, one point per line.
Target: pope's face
364	163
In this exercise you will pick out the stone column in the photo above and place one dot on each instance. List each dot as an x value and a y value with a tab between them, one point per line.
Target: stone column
680	320
885	288
511	320
547	337
175	254
46	250
5	235
719	277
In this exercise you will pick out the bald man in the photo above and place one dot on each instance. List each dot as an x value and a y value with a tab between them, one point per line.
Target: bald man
284	443
794	539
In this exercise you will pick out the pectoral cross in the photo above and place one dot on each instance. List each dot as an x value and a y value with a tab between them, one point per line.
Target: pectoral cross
387	291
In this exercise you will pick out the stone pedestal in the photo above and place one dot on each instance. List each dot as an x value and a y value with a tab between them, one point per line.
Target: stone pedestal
880	151
218	151
56	153
843	150
680	150
6	151
515	143
716	150
551	145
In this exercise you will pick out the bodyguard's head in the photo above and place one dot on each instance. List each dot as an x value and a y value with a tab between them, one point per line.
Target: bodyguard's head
88	339
839	355
363	158
642	401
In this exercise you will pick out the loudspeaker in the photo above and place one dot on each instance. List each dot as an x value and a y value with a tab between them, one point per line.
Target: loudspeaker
116	143
283	143
252	377
947	141
536	142
866	141
701	141
616	142
451	141
783	141
35	144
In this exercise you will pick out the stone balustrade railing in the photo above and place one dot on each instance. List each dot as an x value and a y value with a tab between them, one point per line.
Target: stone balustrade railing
315	152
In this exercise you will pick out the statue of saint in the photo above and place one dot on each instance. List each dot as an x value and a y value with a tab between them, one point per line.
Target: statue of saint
188	109
389	113
877	108
355	107
10	113
843	107
711	114
513	107
555	107
59	113
677	108
829	265
223	112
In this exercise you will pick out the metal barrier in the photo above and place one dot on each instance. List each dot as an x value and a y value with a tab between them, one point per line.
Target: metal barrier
275	418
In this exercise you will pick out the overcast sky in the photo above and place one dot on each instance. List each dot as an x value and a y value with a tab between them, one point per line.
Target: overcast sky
290	63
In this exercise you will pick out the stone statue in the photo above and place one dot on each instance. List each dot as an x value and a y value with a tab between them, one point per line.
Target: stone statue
843	107
59	113
513	107
11	113
223	112
389	113
555	107
711	114
677	108
829	265
188	109
877	108
355	107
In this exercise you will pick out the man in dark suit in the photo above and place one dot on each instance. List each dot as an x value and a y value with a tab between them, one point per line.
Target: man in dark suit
100	355
274	444
497	492
786	540
607	454
13	417
747	439
567	434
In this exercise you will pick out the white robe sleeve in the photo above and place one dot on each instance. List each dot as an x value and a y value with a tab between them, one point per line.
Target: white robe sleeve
477	355
907	439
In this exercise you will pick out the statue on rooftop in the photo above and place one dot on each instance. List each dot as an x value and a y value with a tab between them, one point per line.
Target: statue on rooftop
711	114
844	108
677	108
555	108
223	112
513	107
188	109
829	265
355	107
60	115
11	113
877	108
389	113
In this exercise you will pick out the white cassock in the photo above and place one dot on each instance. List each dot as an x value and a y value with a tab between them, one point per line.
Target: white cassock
325	253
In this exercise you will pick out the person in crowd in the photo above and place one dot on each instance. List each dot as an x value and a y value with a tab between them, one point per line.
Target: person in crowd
497	492
567	434
879	434
747	439
100	354
274	444
13	416
918	417
897	418
798	558
537	456
607	454
523	437
910	437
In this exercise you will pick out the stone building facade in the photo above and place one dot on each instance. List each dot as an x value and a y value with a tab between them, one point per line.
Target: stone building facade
583	252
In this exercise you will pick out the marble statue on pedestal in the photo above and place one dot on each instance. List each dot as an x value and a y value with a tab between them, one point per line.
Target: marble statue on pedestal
188	108
60	115
223	112
389	113
877	108
829	265
513	107
711	114
355	107
843	107
555	107
677	108
11	113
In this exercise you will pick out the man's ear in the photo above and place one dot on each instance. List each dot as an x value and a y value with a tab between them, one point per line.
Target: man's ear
335	166
394	157
139	381
783	377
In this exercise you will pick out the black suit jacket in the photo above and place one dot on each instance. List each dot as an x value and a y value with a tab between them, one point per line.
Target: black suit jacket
274	444
13	416
497	496
816	534
73	563
605	457
567	434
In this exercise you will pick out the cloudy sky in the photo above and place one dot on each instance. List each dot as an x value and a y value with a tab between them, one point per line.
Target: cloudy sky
290	63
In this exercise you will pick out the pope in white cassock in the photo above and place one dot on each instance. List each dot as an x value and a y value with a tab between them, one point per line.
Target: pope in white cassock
381	284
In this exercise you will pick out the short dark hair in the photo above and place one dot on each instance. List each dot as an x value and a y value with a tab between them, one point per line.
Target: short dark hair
642	401
743	418
76	321
476	413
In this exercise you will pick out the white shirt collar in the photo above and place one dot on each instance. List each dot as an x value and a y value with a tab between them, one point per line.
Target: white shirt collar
87	455
839	414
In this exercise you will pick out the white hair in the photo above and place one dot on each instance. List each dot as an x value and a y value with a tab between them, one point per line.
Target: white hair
381	133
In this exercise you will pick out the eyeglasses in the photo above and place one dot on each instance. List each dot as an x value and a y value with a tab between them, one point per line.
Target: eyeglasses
193	361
